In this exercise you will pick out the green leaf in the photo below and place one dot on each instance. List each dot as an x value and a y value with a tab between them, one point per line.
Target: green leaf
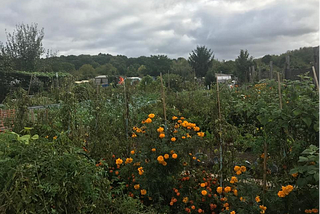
316	177
297	112
28	128
35	137
316	127
303	159
307	121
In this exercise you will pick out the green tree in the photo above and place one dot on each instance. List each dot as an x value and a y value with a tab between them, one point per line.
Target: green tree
200	60
243	62
86	71
181	67
107	69
24	46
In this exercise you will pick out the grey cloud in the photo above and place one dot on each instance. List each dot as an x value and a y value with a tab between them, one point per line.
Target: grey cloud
170	27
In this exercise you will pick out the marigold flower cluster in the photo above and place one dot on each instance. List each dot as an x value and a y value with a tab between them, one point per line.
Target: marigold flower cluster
239	169
311	210
233	180
263	209
119	161
128	160
285	191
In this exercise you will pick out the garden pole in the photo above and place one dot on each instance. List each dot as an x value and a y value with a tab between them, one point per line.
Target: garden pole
164	104
264	171
271	69
30	84
126	108
220	133
279	88
315	78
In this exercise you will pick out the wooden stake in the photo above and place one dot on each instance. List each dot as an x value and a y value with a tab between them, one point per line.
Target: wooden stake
220	130
315	78
30	84
271	69
126	108
164	103
265	171
279	88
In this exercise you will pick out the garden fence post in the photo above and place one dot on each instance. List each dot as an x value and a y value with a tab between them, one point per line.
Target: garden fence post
30	84
315	78
164	104
220	133
126	108
279	88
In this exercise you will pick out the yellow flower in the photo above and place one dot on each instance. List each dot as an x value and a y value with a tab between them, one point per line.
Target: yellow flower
55	137
151	116
166	156
174	118
257	199
137	186
119	161
160	129
232	212
238	172
148	120
128	160
143	192
196	129
203	184
133	135
287	189
243	168
204	192
153	149
162	135
219	190
227	189
132	152
46	137
160	159
263	207
281	194
174	156
173	139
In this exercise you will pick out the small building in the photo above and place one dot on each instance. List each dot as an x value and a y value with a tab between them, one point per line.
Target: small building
102	80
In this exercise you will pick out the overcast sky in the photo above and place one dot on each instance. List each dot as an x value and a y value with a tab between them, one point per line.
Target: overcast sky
169	27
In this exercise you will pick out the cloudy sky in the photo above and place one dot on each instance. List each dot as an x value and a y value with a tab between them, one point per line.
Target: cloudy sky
170	27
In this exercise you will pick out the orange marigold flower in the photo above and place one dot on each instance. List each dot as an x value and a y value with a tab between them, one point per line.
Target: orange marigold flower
173	139
171	152
185	200
179	121
200	134
148	120
182	118
233	180
143	192
164	163
200	210
128	160
232	212
132	152
119	161
315	210
227	189
160	158
160	129
204	192
219	190
174	156
236	168
137	186
263	207
55	137
193	207
257	199
162	135
153	149
238	172
243	168
196	129
134	135
176	126
175	131
281	194
183	137
203	184
294	175
235	192
151	116
166	156
174	118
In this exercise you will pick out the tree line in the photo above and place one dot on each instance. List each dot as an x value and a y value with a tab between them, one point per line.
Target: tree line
24	51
